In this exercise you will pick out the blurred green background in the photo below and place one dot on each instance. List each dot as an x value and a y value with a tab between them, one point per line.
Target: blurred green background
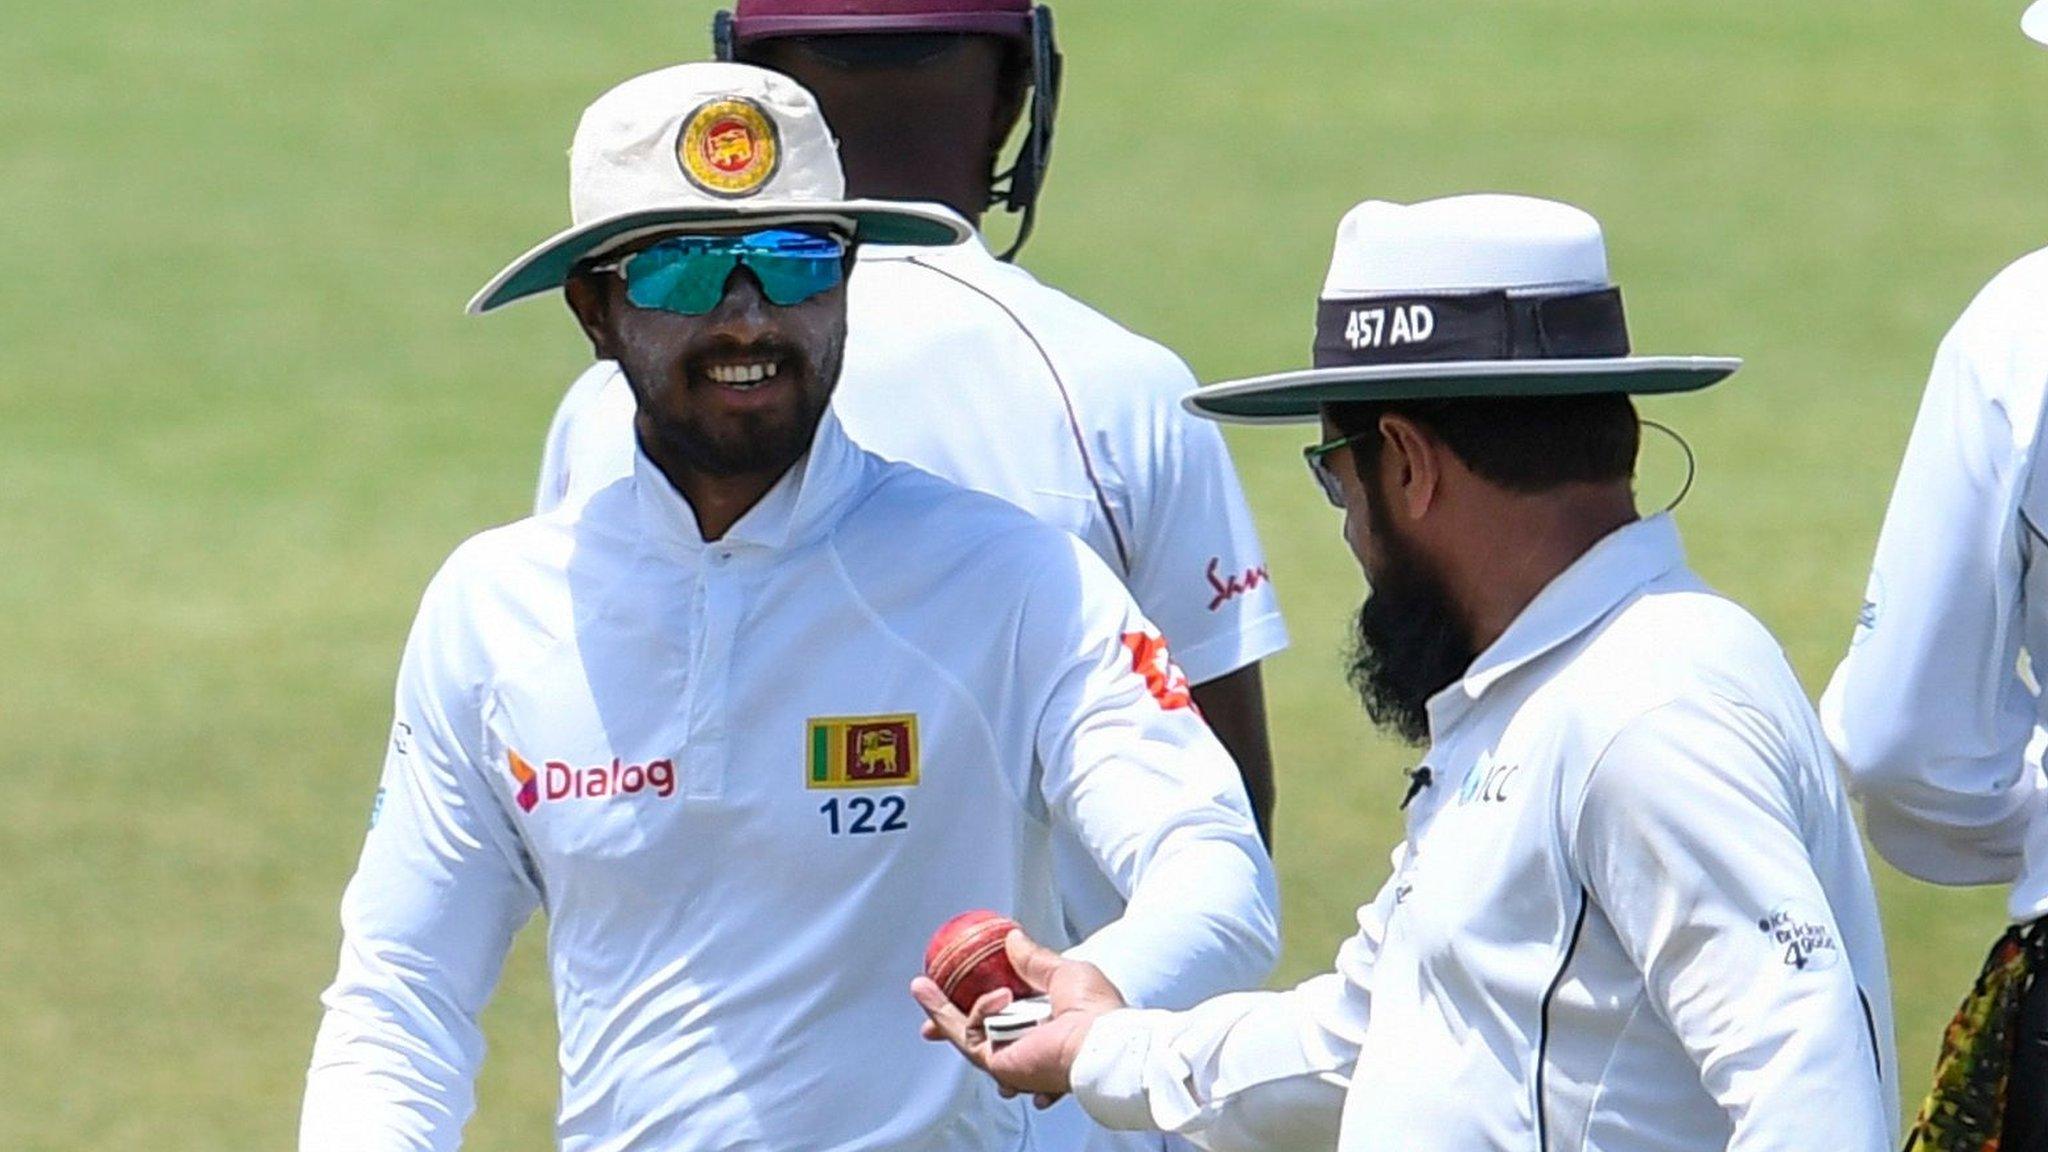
242	417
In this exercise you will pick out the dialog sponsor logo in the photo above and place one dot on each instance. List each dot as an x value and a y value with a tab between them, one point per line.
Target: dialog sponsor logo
555	781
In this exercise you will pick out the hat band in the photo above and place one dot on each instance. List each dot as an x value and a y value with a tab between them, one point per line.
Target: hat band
1475	326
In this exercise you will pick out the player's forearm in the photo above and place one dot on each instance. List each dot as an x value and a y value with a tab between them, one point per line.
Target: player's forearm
377	1084
1937	757
1938	841
1235	707
1256	1070
1203	919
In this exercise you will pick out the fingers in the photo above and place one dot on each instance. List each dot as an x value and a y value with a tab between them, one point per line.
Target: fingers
1037	1062
967	1031
991	1002
1033	961
944	1021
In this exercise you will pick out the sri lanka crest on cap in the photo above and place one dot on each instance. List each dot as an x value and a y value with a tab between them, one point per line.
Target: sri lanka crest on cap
729	147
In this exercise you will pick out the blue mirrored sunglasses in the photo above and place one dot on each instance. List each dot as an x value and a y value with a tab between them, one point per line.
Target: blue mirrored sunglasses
687	274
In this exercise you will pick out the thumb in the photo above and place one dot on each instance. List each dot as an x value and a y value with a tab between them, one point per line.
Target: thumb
1033	961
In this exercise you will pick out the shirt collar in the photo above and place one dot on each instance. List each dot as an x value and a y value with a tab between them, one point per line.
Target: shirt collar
803	504
1609	572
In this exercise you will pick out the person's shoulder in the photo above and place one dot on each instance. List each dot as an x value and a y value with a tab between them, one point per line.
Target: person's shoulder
502	563
2025	279
1679	642
1680	628
1084	346
942	519
2009	308
922	544
515	578
1682	666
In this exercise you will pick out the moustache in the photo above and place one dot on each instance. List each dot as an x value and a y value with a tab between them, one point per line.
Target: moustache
723	350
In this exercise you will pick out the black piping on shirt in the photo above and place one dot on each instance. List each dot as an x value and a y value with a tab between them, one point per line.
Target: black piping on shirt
1543	1039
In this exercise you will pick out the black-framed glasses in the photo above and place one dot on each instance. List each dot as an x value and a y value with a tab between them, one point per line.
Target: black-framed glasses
1317	457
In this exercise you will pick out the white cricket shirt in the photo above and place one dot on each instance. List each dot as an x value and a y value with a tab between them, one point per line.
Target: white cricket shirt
1933	711
972	370
746	780
1631	914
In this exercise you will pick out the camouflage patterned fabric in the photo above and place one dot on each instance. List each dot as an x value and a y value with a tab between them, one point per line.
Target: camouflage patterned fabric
1965	1110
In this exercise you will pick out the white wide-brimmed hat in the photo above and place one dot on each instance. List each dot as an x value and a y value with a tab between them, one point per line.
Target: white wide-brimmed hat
2035	21
1466	296
706	147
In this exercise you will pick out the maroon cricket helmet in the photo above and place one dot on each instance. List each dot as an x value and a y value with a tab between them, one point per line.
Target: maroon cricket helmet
1015	189
762	19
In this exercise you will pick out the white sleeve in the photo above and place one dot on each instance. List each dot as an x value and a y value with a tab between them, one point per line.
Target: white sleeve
1927	711
590	441
1252	1070
426	922
1126	762
1197	568
1689	841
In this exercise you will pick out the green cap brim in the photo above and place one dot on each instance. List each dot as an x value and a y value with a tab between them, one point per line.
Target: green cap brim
1298	397
546	267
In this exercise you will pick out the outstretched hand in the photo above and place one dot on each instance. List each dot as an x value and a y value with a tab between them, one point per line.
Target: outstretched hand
1041	1061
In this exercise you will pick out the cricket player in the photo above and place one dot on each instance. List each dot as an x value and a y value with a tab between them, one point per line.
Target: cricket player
971	369
1631	912
1936	711
750	722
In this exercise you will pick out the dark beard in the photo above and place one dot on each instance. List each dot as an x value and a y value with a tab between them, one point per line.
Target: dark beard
1409	645
767	446
764	443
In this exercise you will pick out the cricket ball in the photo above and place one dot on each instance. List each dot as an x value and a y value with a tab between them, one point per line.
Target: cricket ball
966	958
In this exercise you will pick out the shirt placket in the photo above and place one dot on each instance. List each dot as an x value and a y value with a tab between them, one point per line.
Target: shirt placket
716	607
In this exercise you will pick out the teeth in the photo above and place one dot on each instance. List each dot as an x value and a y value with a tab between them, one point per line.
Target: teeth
740	374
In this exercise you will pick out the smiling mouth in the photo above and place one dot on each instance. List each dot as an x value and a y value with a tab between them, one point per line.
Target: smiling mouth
745	375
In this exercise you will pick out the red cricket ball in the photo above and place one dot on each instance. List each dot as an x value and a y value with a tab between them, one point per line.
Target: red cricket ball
966	958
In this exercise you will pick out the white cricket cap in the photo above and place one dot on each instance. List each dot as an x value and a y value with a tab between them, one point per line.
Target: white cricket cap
706	148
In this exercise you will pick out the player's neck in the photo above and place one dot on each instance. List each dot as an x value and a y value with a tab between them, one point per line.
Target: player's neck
716	500
1530	541
719	501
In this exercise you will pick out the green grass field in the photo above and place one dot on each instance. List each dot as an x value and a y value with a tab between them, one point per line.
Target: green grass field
242	418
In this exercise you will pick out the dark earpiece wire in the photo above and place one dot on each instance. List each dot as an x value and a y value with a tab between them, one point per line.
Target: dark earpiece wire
1692	463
